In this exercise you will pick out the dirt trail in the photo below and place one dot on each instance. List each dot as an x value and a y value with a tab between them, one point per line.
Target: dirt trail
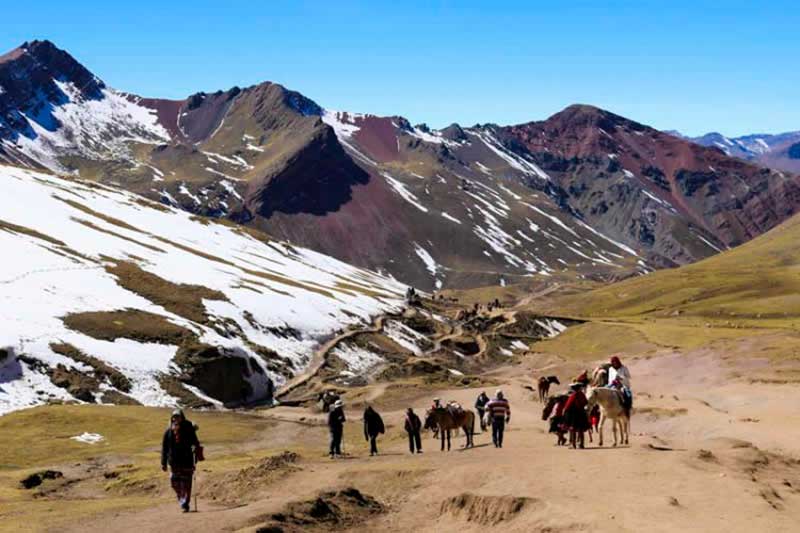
321	356
526	301
687	468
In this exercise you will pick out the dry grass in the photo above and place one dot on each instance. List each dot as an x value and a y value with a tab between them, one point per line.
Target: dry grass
101	370
22	230
131	324
95	227
182	299
105	218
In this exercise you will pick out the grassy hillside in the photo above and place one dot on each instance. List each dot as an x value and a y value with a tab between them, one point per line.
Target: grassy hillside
757	281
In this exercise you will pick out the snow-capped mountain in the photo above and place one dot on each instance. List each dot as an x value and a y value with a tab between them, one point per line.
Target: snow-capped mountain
110	297
584	193
780	151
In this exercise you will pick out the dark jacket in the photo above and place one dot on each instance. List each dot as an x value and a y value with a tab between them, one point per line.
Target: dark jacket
373	423
336	419
413	423
177	450
481	402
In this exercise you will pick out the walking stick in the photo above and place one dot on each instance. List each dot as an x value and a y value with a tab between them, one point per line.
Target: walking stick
194	481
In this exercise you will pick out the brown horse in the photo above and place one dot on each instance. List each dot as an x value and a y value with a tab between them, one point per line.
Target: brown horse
544	386
444	420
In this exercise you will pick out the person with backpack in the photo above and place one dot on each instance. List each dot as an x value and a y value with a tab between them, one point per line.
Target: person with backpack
180	450
413	426
500	412
336	420
373	426
480	406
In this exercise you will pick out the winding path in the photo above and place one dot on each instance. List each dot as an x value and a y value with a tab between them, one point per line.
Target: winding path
320	356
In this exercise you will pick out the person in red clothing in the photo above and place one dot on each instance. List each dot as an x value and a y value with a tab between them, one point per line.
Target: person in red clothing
575	416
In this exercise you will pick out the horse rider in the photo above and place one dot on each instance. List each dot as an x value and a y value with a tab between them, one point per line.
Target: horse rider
619	371
437	403
619	377
500	411
480	406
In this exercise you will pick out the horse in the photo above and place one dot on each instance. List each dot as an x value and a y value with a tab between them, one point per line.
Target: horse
610	402
445	420
544	386
600	377
555	425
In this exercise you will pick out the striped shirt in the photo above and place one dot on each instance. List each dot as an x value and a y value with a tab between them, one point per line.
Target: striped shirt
498	407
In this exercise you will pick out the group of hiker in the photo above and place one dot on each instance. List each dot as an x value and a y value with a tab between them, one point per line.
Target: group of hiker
373	427
181	449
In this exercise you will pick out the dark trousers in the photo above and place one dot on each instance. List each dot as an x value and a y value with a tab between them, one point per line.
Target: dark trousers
373	444
181	480
336	441
414	441
480	418
498	426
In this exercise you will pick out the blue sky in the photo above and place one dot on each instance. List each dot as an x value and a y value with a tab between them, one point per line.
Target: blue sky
694	66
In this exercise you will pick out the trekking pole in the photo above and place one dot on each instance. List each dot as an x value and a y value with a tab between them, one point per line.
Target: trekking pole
194	483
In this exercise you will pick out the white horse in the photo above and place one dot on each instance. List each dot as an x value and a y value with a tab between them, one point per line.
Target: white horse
610	402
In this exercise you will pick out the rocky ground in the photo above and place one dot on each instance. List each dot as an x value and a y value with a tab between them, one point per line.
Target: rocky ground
713	448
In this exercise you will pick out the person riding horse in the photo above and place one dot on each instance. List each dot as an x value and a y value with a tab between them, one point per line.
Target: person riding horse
619	378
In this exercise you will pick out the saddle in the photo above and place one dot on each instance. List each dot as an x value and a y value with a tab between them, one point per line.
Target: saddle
455	408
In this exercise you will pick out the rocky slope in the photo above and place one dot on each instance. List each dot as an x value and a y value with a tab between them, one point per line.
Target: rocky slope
674	198
584	193
108	297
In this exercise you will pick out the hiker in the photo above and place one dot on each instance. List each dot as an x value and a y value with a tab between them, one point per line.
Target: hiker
373	426
619	377
180	449
558	425
575	416
480	406
413	427
336	422
500	412
555	405
437	403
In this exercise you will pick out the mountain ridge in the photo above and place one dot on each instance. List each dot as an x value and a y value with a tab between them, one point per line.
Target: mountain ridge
461	206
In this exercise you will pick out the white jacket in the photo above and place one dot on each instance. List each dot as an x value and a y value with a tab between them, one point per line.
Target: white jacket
622	373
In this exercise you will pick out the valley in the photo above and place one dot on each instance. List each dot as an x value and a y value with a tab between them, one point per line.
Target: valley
251	257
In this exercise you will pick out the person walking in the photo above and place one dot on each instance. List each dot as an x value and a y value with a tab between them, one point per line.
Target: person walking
180	448
480	406
576	418
336	420
373	426
413	426
500	412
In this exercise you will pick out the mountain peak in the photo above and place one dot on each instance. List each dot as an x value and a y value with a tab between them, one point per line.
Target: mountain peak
32	68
